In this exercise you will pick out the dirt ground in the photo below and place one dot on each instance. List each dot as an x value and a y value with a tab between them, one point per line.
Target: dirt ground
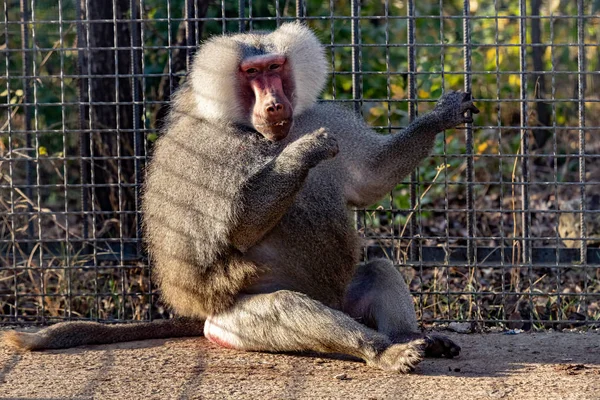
545	365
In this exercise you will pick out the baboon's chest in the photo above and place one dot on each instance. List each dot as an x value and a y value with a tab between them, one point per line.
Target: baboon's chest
314	247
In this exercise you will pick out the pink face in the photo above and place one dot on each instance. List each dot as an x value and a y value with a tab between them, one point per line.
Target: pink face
266	87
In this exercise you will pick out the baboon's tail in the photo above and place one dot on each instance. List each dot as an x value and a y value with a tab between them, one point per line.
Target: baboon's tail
72	334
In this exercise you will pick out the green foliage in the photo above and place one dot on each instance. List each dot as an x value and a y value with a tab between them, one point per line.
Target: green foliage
496	80
383	58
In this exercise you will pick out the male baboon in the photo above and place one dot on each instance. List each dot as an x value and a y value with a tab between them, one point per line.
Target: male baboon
246	211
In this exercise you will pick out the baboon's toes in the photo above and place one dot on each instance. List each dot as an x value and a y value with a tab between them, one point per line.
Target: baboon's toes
440	346
401	357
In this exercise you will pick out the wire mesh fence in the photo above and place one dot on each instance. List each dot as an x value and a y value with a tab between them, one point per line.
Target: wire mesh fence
501	225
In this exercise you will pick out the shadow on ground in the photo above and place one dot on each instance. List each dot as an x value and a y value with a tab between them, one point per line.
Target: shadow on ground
525	366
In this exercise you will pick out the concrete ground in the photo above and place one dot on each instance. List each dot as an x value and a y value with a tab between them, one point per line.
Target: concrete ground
492	366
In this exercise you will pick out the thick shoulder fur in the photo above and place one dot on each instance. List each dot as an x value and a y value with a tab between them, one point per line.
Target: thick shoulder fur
214	79
190	203
353	133
215	67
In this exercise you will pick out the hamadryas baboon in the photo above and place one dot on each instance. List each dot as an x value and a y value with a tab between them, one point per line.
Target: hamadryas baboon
247	211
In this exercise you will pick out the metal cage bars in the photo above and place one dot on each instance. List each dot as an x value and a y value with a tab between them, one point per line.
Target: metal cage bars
473	256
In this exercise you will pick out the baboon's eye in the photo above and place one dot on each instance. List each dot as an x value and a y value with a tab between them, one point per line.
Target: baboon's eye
274	66
251	71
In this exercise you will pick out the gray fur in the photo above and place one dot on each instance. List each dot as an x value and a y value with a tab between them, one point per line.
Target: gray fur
213	76
71	334
257	237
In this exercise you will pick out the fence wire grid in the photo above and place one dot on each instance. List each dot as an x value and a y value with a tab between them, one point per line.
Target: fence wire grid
500	226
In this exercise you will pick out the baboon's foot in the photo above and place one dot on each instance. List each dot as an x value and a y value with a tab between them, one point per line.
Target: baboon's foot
440	346
400	357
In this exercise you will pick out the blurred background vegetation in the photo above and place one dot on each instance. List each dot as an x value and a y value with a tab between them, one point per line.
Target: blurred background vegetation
51	132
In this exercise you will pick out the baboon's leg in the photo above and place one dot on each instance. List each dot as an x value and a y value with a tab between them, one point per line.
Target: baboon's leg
290	321
379	298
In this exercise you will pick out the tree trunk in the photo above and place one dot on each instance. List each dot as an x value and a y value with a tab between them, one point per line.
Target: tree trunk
541	136
110	125
186	35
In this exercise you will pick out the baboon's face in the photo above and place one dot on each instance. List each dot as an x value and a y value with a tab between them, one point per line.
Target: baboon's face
266	83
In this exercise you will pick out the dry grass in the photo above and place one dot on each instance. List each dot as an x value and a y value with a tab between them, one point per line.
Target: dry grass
42	281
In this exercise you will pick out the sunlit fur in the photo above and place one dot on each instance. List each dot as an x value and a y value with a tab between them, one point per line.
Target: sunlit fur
214	72
256	235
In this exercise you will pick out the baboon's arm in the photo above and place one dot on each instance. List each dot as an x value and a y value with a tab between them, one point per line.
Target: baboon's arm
388	161
269	193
